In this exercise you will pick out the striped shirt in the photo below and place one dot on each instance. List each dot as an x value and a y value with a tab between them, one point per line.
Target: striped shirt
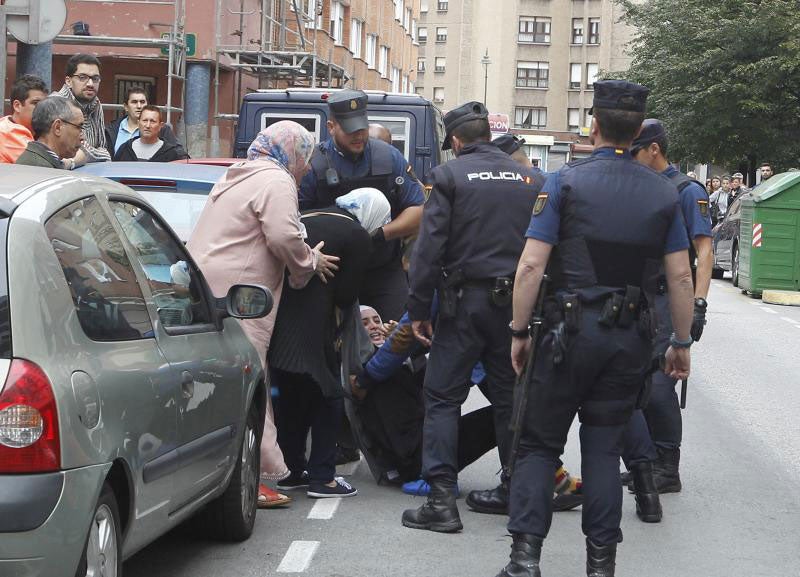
94	127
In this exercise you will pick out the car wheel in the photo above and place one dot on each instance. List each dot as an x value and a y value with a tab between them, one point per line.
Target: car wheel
735	265
232	515
717	273
102	556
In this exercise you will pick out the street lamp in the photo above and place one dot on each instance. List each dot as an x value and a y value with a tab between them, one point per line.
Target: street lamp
486	62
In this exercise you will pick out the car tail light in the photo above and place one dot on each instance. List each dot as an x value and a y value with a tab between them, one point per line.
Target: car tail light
29	438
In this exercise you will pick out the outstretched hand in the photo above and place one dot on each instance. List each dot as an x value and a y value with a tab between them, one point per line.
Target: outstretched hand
326	264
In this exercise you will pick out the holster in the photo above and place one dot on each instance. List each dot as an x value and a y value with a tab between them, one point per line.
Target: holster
502	293
449	292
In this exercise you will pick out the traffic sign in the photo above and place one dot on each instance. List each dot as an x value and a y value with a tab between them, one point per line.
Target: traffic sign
43	21
191	44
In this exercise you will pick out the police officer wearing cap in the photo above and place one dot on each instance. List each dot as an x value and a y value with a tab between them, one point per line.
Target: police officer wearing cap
471	237
600	226
350	159
654	468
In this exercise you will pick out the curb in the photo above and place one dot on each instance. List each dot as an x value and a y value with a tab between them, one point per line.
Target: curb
775	297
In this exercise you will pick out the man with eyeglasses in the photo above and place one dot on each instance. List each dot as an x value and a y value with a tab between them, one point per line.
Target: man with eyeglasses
57	126
81	85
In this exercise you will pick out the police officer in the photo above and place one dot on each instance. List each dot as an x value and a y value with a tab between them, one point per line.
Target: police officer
663	414
600	225
470	239
348	160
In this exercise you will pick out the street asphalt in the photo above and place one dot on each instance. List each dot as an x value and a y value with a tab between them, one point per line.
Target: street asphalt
738	514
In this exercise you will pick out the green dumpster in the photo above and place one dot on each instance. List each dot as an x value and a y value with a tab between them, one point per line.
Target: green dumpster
769	233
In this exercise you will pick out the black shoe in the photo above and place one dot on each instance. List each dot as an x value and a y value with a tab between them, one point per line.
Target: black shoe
346	455
439	514
293	481
567	501
341	489
525	553
492	501
600	560
665	471
648	504
625	478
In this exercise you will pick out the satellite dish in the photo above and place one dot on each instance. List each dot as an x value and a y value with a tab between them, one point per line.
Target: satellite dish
45	20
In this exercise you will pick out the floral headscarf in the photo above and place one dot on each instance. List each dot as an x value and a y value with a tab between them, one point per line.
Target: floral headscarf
286	143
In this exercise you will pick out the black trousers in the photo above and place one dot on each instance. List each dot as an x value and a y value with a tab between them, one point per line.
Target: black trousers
600	379
479	332
301	407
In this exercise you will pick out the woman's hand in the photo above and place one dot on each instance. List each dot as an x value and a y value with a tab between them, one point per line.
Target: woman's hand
326	264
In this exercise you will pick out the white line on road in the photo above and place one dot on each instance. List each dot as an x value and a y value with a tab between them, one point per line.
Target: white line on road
324	508
766	310
298	557
788	320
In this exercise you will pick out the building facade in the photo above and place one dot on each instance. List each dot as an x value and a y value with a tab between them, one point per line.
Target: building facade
532	60
234	47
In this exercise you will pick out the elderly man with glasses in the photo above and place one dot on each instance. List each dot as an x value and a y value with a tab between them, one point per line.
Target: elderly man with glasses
81	85
57	126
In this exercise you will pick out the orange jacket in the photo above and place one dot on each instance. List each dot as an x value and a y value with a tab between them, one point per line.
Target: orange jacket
13	139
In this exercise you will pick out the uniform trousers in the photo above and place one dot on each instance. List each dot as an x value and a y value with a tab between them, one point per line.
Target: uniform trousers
479	332
301	407
599	378
659	424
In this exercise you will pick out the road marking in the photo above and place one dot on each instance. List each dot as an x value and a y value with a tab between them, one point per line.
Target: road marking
324	508
298	557
770	311
788	320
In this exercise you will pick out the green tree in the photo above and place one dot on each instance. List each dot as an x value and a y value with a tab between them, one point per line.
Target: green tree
724	76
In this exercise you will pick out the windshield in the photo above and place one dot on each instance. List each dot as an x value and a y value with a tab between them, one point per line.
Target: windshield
181	210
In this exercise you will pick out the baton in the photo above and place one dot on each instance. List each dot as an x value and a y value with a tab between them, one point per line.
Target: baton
684	387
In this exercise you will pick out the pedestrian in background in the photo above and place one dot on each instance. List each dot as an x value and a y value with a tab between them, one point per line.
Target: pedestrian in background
15	129
81	85
56	124
250	232
126	127
148	147
766	171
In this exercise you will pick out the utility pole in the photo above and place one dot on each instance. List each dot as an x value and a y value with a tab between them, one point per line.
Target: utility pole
486	62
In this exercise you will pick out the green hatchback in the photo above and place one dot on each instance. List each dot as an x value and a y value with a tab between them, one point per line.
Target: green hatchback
130	398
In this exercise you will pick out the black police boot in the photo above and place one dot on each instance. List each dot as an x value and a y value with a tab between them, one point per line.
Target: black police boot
600	559
665	471
648	504
493	501
525	553
439	514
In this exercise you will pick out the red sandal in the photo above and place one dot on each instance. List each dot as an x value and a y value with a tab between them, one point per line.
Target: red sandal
268	499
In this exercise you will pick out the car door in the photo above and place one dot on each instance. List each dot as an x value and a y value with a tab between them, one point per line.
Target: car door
114	355
208	370
730	228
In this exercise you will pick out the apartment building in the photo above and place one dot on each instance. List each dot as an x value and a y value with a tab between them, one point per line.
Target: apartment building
532	60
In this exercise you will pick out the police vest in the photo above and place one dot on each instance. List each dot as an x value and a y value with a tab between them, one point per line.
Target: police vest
615	218
681	181
380	176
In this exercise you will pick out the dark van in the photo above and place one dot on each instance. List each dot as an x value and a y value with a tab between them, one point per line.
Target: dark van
416	124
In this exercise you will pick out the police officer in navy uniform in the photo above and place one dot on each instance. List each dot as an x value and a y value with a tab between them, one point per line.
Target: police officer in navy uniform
471	237
652	448
350	159
600	226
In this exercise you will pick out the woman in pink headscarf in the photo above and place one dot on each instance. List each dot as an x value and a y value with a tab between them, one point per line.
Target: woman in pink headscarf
250	232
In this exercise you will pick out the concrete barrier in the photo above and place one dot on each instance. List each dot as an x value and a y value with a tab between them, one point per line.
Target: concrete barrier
775	297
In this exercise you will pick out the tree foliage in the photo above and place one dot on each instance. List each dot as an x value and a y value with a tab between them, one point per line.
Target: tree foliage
724	76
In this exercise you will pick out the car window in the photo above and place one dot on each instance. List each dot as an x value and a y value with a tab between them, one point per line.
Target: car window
5	318
107	297
175	284
400	129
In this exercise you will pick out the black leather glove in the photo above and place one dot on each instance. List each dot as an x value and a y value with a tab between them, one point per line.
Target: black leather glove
699	321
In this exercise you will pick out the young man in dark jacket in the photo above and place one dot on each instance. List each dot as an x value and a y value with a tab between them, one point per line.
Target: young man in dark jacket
148	147
126	127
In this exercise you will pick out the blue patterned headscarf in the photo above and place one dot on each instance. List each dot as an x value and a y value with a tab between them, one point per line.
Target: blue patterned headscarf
286	143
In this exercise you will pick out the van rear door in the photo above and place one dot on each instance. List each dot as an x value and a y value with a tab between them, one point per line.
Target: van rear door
263	114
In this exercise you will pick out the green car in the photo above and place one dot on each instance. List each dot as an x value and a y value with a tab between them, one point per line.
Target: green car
130	397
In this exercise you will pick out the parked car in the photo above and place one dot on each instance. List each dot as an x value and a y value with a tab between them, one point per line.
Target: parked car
177	190
131	399
726	243
415	123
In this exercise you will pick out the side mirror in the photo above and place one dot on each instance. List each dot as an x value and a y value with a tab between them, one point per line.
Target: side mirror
245	302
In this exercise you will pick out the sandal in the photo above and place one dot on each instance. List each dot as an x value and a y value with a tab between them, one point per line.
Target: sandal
267	498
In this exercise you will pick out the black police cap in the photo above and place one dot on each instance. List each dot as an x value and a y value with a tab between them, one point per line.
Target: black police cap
652	130
349	109
458	116
509	143
619	95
